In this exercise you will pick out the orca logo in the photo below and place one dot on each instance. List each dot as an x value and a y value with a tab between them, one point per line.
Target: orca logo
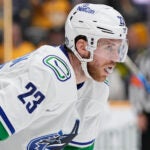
56	141
59	66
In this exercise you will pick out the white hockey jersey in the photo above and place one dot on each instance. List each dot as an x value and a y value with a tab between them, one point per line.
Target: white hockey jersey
42	108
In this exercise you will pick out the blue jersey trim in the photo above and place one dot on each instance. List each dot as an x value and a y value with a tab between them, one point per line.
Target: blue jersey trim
6	120
64	51
62	48
79	143
80	85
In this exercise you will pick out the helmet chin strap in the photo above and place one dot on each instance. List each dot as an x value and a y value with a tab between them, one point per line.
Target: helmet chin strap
84	68
84	61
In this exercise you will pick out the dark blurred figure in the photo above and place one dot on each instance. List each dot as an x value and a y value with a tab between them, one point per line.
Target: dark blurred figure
138	36
36	35
39	36
1	14
140	99
143	6
56	36
130	11
22	12
49	13
138	43
20	45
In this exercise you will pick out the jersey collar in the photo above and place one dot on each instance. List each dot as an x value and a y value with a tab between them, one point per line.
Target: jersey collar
63	49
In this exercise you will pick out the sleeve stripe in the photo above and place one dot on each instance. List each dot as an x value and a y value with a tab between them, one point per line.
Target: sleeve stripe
6	120
79	143
3	132
69	147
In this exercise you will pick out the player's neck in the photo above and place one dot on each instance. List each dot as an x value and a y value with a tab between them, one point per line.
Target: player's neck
76	65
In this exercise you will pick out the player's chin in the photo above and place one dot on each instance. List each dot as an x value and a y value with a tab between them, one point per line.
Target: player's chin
100	78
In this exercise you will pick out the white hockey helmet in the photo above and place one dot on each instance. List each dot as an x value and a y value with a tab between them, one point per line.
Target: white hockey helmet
95	21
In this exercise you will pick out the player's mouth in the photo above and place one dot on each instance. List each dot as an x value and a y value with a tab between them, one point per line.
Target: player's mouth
109	69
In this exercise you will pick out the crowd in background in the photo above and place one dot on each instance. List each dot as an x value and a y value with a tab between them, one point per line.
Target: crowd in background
39	22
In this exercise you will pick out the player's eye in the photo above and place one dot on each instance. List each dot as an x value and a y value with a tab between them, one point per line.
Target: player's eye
109	47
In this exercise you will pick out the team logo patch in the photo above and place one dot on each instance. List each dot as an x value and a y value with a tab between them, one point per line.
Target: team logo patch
121	19
85	8
59	66
56	141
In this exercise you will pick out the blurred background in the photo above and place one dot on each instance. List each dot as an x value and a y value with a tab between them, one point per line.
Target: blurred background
27	24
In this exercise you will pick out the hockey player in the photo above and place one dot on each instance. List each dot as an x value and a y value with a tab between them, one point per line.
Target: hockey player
54	97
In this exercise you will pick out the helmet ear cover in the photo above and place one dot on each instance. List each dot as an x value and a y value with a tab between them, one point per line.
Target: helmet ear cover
83	37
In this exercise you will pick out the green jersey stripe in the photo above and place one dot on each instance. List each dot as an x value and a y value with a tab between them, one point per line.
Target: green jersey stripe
6	120
3	132
91	147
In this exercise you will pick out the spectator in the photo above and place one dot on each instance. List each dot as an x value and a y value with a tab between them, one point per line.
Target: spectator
129	10
22	12
140	99
138	39
1	14
50	13
20	46
56	36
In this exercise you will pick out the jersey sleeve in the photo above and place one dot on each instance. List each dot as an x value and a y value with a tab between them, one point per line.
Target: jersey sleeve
91	147
24	86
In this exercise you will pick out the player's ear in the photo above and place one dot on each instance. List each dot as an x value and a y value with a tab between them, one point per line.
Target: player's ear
81	46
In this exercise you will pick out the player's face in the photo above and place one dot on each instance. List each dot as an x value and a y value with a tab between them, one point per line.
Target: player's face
105	57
